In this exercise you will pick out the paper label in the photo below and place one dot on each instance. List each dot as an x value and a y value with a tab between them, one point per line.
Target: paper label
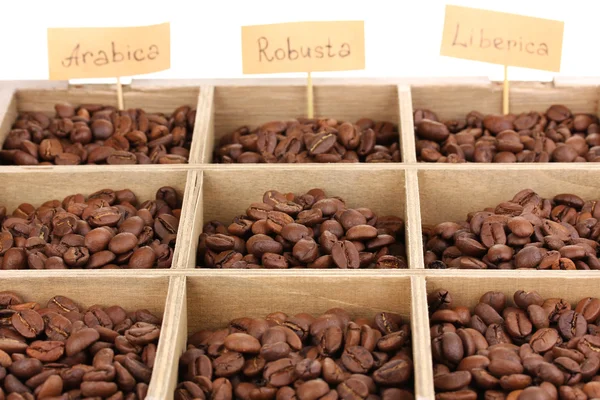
303	47
108	52
502	38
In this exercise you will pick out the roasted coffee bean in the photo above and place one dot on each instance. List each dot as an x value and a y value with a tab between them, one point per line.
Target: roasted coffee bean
95	134
589	308
309	230
345	255
527	232
64	356
325	358
542	343
310	140
554	136
46	351
102	231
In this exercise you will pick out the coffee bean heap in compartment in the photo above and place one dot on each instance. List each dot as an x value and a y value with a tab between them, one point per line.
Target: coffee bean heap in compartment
97	134
109	229
310	230
300	357
522	348
59	350
557	135
527	232
311	140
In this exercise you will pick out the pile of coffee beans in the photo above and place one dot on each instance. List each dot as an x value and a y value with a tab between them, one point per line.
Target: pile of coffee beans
300	357
62	351
97	134
535	349
108	229
303	231
311	140
555	136
527	232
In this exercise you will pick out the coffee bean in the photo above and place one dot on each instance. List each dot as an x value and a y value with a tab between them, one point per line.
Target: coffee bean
394	372
81	236
98	239
325	235
551	346
303	140
540	237
357	359
388	322
144	258
345	255
589	308
242	343
290	367
93	134
312	390
40	362
28	323
557	135
452	381
46	351
26	368
572	324
518	324
80	340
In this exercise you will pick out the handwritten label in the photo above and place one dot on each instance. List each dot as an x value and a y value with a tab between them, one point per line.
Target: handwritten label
502	38
108	52
303	47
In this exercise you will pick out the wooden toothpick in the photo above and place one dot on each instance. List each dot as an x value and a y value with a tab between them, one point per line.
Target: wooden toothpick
119	93
309	97
505	91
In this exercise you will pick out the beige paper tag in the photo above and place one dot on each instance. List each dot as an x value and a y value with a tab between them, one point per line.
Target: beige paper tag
108	52
502	38
303	47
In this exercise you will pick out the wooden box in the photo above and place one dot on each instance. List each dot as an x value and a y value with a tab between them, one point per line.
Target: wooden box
420	193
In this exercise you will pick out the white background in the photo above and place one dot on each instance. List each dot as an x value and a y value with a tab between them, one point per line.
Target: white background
402	37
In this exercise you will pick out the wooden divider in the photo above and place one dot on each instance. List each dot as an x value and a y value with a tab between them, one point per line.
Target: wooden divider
421	340
190	197
171	343
406	127
201	151
414	242
8	111
194	298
